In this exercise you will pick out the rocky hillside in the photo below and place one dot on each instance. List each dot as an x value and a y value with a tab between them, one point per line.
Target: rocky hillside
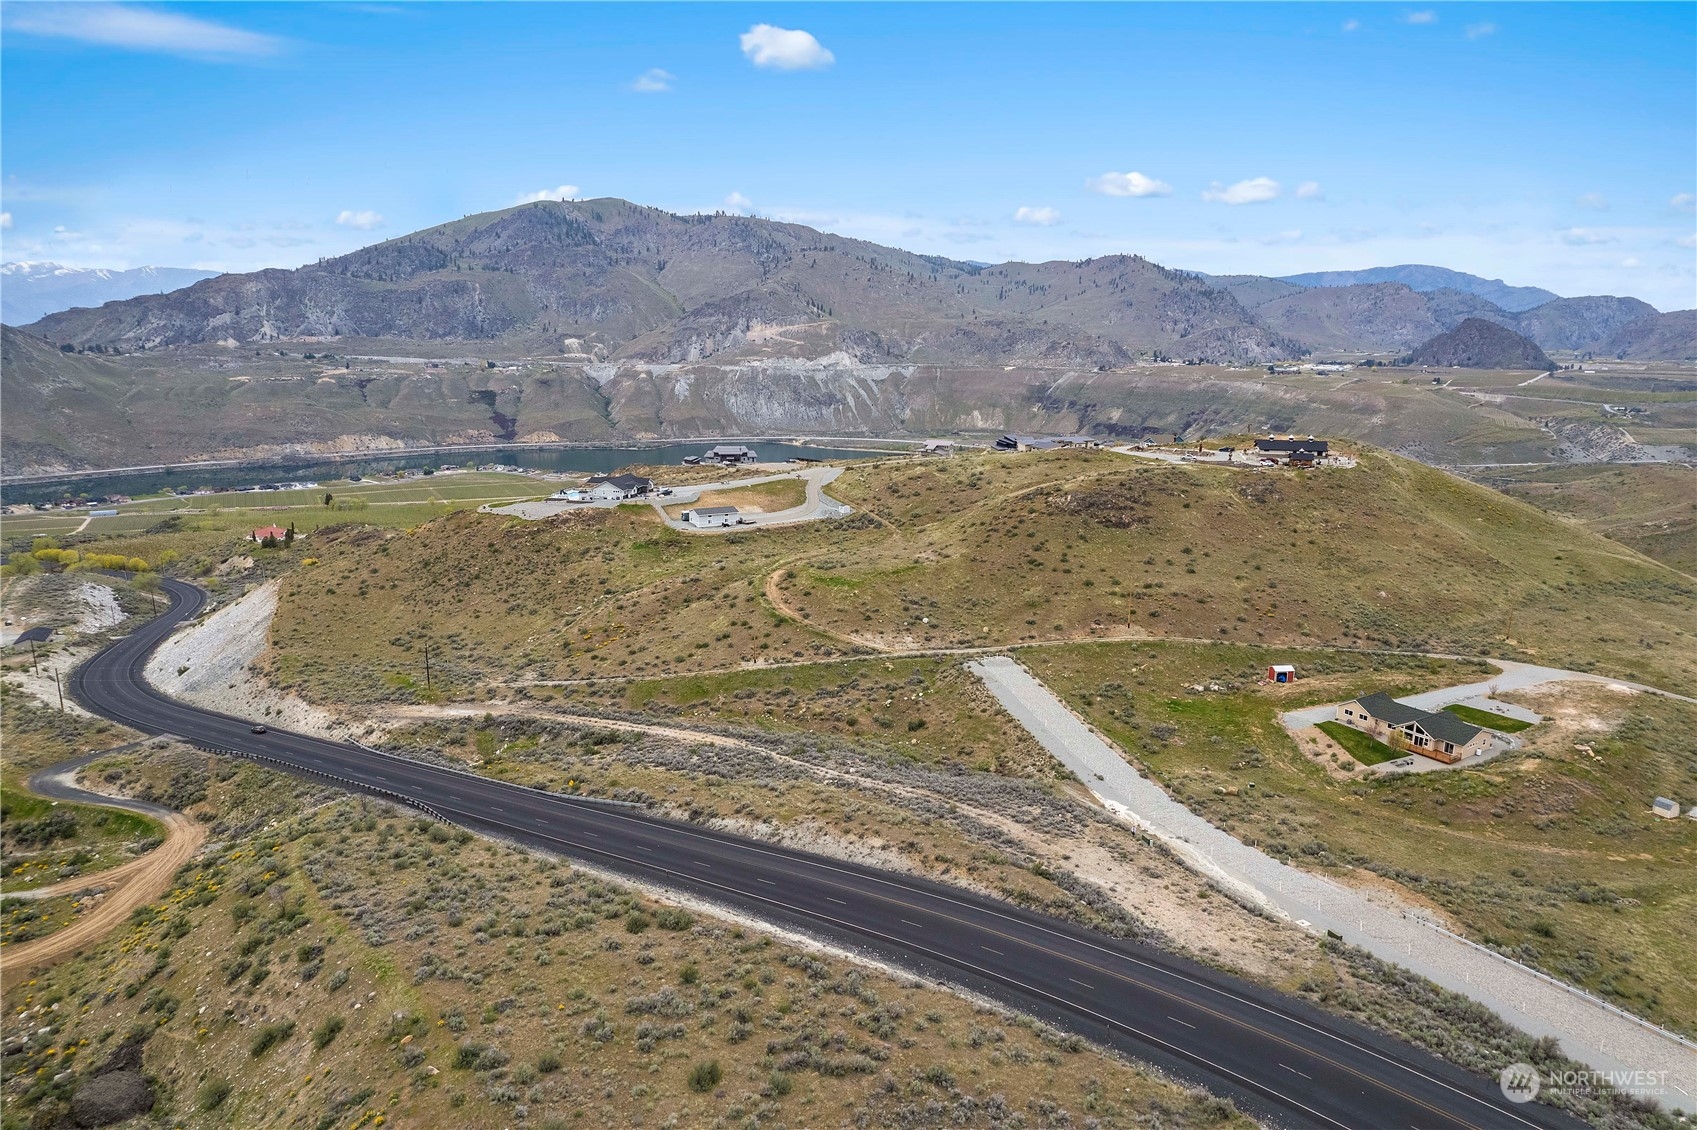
1671	336
606	279
1479	344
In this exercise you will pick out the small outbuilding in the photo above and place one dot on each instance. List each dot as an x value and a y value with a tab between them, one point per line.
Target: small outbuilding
711	517
1281	673
1665	808
275	533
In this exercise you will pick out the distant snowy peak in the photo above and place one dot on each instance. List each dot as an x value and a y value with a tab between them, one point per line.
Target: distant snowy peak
32	289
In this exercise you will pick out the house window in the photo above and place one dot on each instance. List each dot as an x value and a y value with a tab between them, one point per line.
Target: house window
1449	747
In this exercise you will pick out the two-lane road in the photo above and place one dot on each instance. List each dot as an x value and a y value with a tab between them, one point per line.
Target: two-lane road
1275	1056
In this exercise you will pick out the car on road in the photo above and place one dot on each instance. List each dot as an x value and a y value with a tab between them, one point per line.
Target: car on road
257	728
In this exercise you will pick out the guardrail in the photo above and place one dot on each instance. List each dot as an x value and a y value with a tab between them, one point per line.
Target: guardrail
1556	981
349	783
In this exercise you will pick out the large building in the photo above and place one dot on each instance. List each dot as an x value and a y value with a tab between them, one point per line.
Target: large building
730	453
1437	734
1292	449
605	488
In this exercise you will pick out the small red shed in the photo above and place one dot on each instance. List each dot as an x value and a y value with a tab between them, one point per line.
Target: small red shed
1281	673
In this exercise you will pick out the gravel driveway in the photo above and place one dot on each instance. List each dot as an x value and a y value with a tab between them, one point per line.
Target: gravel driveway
1588	1031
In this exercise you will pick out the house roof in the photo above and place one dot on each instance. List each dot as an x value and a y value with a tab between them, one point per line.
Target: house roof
1387	709
1446	727
713	511
730	449
1282	667
623	482
34	635
1440	724
1273	443
264	532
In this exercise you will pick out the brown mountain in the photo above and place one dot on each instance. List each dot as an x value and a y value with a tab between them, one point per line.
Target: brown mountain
1480	344
612	280
1658	337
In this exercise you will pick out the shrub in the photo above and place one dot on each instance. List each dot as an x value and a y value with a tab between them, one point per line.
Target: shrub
327	1031
212	1094
270	1036
636	922
672	919
703	1077
547	1063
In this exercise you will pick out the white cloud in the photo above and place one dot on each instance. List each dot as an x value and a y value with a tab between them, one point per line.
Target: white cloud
1310	190
1595	201
1685	202
1631	262
1480	31
784	50
1128	184
1426	17
363	220
1352	25
1258	190
1687	240
562	192
653	81
737	202
5	221
1042	217
139	29
1585	237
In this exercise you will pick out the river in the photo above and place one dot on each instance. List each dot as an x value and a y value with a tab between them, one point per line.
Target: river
595	460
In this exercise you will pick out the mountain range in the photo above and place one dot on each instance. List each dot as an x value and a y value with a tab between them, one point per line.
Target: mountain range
31	290
1422	277
610	281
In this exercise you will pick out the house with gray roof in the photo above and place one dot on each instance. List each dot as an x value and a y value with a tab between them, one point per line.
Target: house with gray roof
1437	734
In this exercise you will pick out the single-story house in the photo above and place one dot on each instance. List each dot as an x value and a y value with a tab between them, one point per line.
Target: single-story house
1078	441
1437	734
276	533
604	488
730	453
1281	673
939	447
1291	448
711	517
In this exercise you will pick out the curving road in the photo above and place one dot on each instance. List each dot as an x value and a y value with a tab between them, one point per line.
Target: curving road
1278	1058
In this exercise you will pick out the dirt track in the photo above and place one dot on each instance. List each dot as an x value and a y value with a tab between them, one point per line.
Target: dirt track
131	885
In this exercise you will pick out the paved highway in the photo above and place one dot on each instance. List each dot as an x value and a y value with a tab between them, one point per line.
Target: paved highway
1278	1058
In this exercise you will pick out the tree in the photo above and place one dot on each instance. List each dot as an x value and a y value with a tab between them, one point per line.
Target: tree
329	498
289	535
269	541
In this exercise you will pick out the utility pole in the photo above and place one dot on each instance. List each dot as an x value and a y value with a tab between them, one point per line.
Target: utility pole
34	668
60	688
426	666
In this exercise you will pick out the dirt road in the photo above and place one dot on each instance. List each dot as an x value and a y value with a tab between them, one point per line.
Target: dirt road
127	887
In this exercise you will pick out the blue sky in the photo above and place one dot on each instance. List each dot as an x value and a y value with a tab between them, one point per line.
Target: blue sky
1546	144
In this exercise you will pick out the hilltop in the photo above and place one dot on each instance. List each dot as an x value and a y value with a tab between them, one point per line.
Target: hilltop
1479	344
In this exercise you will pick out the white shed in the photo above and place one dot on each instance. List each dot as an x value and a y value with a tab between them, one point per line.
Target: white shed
1665	808
711	517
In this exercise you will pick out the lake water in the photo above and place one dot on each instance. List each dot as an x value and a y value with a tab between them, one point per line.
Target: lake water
595	460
